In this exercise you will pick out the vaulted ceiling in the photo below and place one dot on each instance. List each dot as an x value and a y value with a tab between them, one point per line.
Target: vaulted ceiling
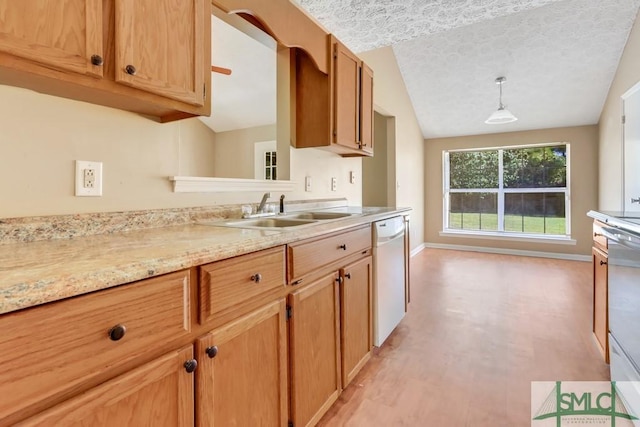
559	56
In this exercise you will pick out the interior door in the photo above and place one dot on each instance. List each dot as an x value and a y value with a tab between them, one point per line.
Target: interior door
631	149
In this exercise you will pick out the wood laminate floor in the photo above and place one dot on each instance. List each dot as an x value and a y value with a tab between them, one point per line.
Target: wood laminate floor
480	328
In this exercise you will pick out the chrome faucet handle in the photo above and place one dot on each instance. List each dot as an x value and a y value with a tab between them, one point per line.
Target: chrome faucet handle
635	200
263	202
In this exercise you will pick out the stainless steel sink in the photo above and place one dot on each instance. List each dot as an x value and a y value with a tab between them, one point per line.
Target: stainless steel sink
321	216
262	223
297	219
270	222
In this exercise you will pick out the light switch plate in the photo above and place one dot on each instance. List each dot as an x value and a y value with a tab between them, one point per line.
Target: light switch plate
352	177
88	178
307	183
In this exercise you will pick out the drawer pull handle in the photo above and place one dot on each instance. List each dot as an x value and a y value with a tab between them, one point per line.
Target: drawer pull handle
347	275
212	351
117	332
131	70
97	60
256	277
603	262
343	247
190	365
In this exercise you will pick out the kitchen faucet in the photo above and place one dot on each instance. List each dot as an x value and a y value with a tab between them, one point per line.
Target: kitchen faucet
263	202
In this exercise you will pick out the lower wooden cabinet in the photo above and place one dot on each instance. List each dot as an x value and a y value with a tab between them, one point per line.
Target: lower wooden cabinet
314	333
263	353
159	393
601	301
356	321
242	371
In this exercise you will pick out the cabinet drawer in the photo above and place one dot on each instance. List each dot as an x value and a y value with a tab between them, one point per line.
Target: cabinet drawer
599	240
226	283
310	255
49	350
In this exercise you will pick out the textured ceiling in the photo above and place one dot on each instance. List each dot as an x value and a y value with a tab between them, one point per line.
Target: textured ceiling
559	56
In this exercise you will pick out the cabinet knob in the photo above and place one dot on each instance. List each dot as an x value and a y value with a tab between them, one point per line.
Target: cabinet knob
256	277
117	332
339	280
603	262
347	275
212	351
343	247
190	365
130	69
97	60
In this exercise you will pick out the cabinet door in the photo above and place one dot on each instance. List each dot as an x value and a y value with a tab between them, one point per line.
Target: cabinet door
346	97
315	349
356	324
62	34
160	46
366	109
601	301
242	376
159	393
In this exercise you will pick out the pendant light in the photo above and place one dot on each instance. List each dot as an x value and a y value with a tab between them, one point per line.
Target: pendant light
501	115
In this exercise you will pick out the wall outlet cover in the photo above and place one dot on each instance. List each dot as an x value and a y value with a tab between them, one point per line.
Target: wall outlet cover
334	183
307	183
88	178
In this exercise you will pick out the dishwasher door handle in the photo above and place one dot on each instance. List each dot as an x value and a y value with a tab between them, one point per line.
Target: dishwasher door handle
384	240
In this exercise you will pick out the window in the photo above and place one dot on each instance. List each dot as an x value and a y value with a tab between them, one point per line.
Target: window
520	191
270	165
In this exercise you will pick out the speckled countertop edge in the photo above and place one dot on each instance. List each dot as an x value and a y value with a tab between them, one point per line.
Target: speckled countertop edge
39	272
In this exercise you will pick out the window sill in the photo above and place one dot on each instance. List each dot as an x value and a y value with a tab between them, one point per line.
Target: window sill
532	238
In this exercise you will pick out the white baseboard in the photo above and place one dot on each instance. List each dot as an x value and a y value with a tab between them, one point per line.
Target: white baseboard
417	250
569	257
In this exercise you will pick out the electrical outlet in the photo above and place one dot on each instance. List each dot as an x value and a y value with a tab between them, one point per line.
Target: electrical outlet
88	178
307	183
334	183
352	177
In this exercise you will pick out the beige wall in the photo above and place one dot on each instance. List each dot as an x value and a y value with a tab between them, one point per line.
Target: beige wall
391	98
584	181
234	151
375	172
41	136
627	75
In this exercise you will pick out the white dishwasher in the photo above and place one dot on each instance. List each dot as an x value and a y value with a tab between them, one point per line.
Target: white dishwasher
388	277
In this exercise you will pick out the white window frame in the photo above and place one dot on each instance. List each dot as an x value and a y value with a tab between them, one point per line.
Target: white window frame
501	191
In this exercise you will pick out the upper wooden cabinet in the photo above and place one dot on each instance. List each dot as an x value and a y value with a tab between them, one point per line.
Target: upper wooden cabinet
167	62
144	56
66	34
334	110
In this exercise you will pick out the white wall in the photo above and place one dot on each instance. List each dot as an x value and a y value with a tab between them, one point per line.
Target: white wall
390	98
41	136
610	149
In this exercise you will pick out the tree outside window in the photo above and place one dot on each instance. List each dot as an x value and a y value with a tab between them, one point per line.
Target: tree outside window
508	190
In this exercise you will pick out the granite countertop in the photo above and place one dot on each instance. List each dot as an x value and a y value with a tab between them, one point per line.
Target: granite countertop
38	272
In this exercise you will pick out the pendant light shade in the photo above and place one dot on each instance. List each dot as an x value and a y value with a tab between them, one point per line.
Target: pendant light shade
501	115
